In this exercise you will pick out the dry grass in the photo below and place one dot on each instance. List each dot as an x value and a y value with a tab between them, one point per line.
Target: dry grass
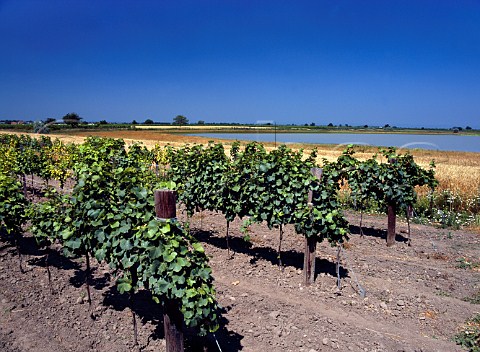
63	137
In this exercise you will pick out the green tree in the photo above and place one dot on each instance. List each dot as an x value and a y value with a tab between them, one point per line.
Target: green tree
180	120
72	119
201	122
148	122
134	122
49	120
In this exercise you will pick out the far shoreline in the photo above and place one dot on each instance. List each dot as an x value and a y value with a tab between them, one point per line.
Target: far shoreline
301	129
60	128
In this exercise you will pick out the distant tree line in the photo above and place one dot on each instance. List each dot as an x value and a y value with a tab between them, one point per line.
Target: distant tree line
73	120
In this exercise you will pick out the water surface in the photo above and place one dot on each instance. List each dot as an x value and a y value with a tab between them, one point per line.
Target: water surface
455	142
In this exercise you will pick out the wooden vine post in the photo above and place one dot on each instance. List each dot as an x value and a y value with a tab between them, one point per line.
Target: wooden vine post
165	208
165	204
392	217
310	242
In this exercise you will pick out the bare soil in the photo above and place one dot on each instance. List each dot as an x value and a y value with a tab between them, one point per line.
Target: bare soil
414	297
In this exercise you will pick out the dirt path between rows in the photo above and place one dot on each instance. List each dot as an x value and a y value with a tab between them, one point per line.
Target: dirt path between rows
415	295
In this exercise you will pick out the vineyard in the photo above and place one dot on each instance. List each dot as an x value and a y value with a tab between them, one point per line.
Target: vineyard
249	220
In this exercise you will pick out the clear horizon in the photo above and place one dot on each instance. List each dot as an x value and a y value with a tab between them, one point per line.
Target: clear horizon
406	64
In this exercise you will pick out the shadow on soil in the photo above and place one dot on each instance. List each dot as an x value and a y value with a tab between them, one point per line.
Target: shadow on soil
54	259
144	307
28	247
25	245
289	258
147	311
372	232
79	278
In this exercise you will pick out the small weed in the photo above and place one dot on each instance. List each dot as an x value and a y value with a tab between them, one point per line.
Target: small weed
443	294
469	336
475	299
464	263
476	222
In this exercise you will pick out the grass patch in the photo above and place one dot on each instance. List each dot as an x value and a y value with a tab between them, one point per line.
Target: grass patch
469	336
443	294
465	263
475	299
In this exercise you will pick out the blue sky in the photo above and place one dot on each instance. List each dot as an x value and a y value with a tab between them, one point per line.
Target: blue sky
405	63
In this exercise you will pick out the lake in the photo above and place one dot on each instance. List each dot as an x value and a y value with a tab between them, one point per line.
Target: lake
455	142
